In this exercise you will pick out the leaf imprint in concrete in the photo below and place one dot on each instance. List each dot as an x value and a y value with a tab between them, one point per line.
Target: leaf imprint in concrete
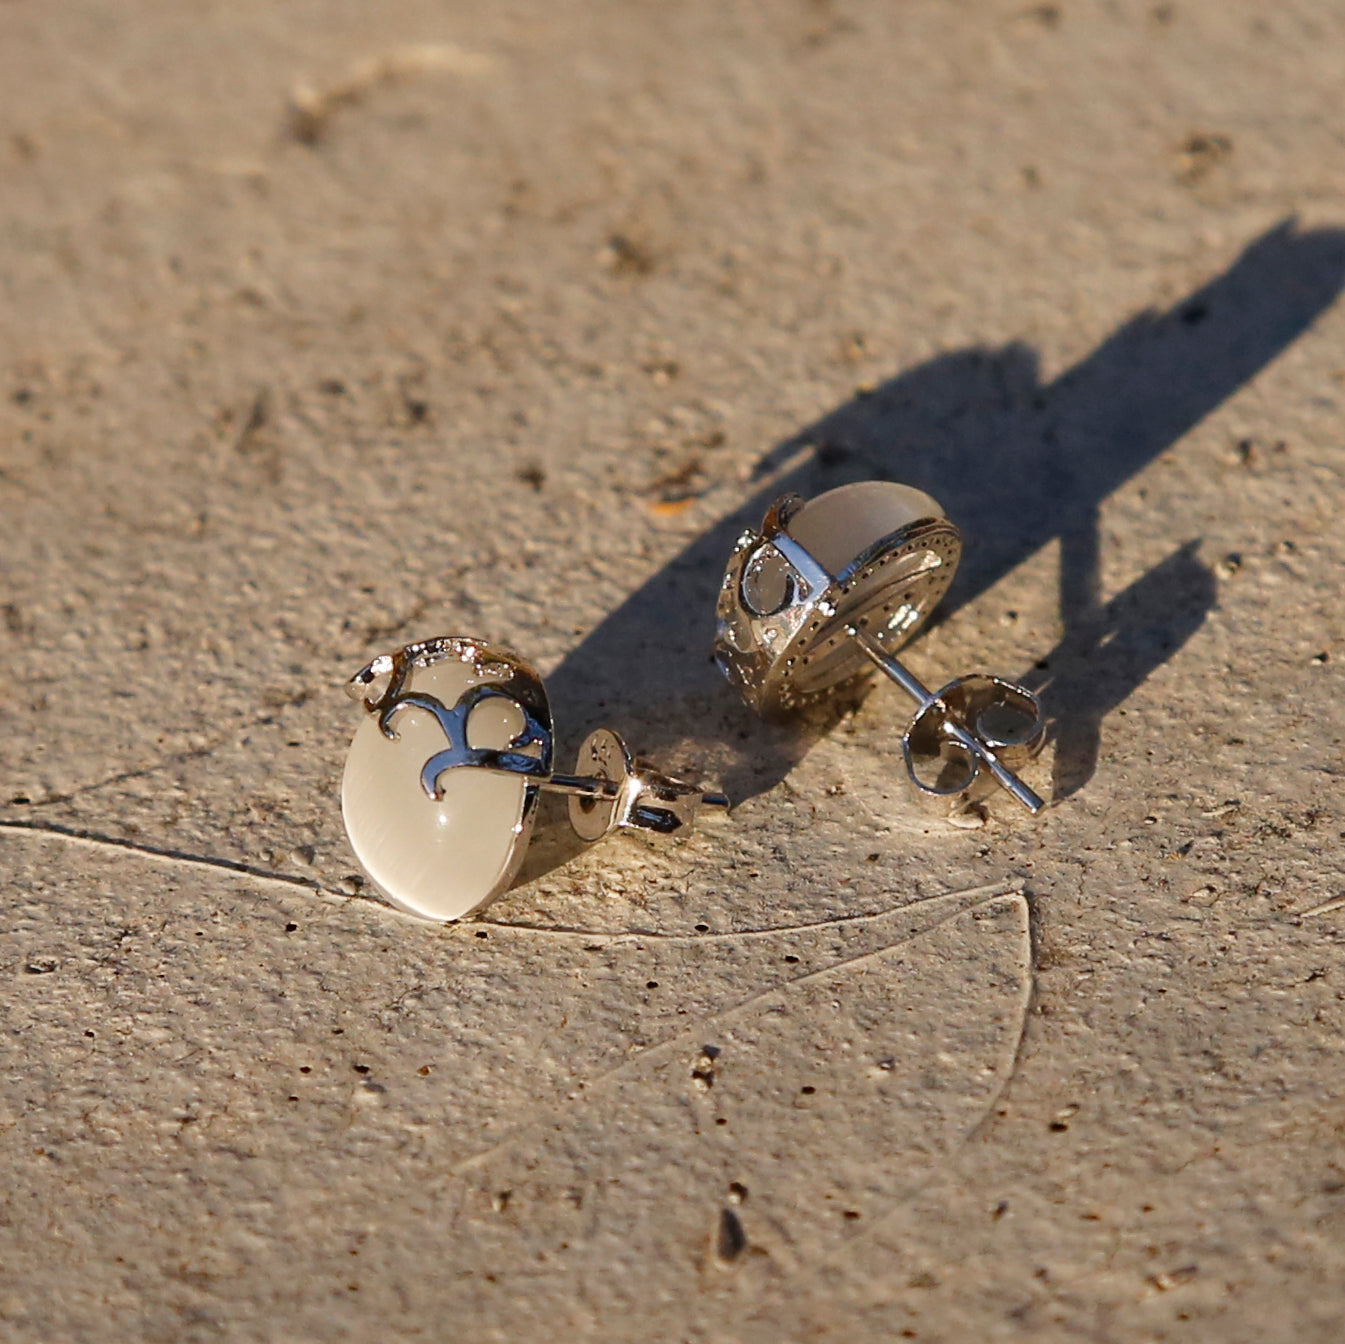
759	1141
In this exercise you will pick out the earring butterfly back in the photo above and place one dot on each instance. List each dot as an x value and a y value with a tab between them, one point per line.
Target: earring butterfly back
828	590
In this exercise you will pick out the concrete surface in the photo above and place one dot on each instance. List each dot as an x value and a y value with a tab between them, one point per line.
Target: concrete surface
330	326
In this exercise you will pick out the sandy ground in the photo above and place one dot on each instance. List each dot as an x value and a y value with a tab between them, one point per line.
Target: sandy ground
329	326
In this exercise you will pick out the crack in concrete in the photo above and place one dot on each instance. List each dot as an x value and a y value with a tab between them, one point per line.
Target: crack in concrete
167	855
689	1035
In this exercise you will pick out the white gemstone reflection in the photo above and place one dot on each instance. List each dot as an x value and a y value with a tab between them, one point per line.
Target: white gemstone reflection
436	858
836	526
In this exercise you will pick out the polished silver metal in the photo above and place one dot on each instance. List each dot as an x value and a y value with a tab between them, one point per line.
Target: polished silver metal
782	617
617	790
953	730
644	797
791	634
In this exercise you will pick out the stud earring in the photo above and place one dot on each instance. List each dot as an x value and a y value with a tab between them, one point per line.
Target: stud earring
828	590
442	780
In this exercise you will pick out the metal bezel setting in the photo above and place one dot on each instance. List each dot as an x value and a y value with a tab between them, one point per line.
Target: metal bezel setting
798	654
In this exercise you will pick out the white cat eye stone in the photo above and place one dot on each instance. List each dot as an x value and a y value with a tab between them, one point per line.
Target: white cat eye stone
836	526
439	858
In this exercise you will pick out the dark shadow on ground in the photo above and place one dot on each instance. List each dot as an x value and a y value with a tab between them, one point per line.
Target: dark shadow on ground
1109	649
1016	464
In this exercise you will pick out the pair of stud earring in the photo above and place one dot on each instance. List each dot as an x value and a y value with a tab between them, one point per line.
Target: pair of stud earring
443	778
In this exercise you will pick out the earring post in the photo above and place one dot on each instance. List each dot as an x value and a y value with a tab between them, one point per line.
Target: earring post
594	786
963	736
582	786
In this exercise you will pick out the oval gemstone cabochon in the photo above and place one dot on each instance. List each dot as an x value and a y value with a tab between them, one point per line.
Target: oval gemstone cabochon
836	526
436	858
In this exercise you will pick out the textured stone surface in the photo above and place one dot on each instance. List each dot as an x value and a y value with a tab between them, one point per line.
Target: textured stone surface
330	326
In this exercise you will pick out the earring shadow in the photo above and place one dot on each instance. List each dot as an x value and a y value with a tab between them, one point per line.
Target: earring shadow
1016	463
1109	650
